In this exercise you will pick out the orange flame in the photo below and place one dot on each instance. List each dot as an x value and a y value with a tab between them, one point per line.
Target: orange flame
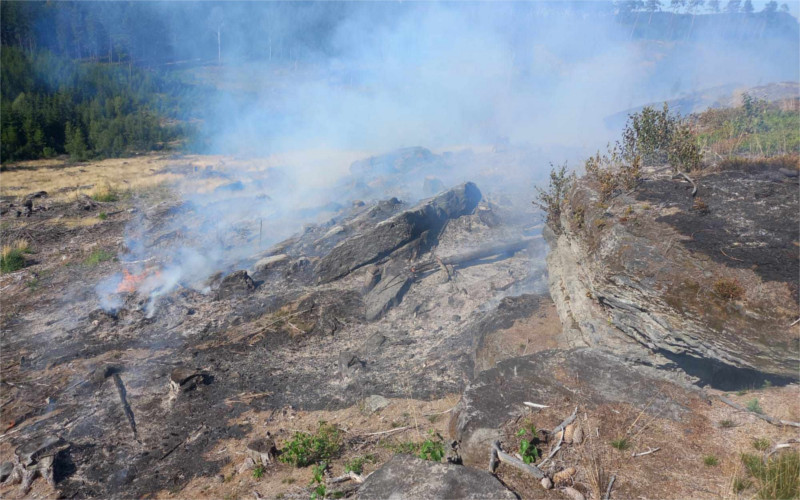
131	282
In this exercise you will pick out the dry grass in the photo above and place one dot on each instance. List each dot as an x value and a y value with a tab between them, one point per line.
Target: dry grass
355	422
64	180
12	257
729	289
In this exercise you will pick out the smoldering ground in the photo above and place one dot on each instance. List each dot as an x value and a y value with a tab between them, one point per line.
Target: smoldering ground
447	76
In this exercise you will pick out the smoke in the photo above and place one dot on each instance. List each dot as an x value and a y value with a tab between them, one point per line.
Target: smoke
338	81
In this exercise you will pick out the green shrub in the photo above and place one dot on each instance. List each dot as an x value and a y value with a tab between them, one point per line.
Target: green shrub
761	444
98	256
621	444
318	481
741	484
258	472
755	128
305	449
527	447
727	424
753	406
551	199
12	257
778	477
105	193
357	464
432	448
710	460
657	137
102	216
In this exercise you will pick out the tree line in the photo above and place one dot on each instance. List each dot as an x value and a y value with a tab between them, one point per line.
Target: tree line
697	6
52	105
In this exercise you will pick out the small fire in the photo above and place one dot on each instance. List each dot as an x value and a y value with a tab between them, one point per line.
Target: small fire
131	282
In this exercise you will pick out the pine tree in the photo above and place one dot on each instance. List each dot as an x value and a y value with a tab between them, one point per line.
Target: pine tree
76	144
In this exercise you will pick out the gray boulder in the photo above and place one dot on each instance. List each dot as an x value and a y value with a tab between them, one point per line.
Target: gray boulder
405	476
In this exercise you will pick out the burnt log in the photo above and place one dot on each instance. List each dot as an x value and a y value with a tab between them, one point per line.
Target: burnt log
396	232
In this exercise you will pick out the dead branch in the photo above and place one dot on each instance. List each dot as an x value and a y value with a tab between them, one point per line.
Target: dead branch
499	455
728	256
694	186
795	322
439	413
347	477
555	450
390	431
781	446
649	451
246	398
610	485
772	420
534	405
566	422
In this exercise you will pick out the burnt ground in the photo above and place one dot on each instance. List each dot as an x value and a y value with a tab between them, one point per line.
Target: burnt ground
284	346
286	341
749	220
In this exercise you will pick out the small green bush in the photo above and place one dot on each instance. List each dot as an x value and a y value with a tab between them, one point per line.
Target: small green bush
710	460
778	477
98	256
357	464
551	199
527	447
727	424
105	193
258	472
102	216
12	257
305	449
11	260
318	481
761	444
621	444
753	406
657	137
432	448
741	484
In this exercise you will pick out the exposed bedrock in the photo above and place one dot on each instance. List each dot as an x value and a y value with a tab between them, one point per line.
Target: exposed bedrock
700	284
405	476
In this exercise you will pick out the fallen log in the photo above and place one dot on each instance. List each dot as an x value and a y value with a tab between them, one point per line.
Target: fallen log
772	420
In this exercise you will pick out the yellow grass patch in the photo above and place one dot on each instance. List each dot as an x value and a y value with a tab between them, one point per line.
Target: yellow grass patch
63	181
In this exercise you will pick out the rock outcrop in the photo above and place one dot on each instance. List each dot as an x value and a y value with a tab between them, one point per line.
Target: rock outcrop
674	281
416	225
405	476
